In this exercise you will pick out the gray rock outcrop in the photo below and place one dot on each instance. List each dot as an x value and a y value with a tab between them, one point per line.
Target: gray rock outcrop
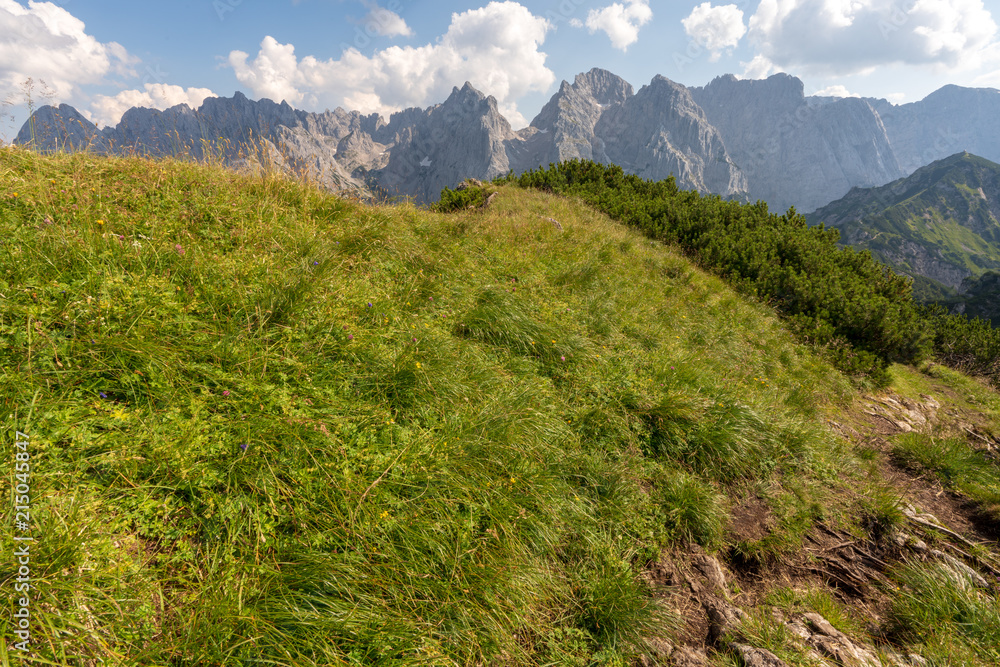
660	131
948	121
60	128
796	152
568	120
465	136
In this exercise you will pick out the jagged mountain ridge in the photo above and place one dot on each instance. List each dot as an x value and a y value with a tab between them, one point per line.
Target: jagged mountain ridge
742	139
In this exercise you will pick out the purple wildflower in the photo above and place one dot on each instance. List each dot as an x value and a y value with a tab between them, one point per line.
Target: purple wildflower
103	395
243	446
350	336
369	304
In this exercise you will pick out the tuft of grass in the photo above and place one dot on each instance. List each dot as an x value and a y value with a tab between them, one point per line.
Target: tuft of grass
881	510
692	509
955	463
822	602
944	617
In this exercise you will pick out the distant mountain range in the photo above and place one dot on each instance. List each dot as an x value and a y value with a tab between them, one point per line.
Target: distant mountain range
940	225
742	139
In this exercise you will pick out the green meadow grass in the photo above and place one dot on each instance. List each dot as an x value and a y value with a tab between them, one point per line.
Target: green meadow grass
270	426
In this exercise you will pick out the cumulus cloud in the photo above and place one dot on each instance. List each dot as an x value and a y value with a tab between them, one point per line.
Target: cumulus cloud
758	68
45	42
850	36
835	91
715	28
621	22
385	22
108	110
496	48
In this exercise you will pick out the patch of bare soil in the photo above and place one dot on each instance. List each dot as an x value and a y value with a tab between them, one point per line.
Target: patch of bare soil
750	520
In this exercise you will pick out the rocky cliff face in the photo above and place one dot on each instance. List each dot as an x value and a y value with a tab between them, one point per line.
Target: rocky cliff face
797	152
568	120
758	140
948	121
662	131
60	128
464	136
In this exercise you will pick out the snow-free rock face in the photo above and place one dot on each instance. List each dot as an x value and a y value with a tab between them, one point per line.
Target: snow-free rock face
794	151
60	128
567	121
662	131
948	121
463	137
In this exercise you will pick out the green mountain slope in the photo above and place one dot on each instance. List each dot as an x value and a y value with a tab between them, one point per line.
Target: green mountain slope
978	297
263	425
941	223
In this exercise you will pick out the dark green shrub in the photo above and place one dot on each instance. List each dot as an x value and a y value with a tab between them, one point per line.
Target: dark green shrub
459	200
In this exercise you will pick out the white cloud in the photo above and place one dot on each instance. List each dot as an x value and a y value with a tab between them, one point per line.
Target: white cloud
274	73
850	36
758	68
621	22
496	48
106	110
384	22
45	42
835	91
715	28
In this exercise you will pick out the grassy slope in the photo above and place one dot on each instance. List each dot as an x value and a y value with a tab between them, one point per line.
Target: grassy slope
267	424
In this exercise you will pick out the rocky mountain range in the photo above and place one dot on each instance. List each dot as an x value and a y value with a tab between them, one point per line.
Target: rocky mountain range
741	139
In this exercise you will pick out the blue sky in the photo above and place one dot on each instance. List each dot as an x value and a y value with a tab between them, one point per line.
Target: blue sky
382	55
